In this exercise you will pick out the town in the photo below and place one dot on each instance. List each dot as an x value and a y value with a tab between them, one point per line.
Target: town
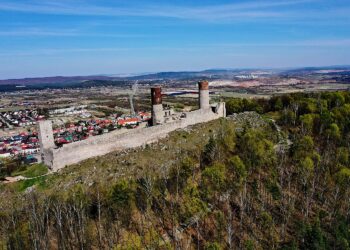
25	145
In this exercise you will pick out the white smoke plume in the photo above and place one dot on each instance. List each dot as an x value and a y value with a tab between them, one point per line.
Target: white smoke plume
134	89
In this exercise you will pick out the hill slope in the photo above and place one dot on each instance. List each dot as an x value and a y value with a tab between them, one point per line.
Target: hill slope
228	184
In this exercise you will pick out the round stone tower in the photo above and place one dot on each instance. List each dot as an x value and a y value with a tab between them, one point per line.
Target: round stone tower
46	141
157	106
203	87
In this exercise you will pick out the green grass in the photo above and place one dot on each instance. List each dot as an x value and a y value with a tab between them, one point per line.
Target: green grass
31	171
23	185
273	115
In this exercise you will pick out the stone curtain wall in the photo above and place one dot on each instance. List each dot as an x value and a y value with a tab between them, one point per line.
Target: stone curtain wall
114	141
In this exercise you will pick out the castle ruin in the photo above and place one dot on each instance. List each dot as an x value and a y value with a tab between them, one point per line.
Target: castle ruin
163	121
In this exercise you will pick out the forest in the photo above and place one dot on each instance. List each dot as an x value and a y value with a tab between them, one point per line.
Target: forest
284	184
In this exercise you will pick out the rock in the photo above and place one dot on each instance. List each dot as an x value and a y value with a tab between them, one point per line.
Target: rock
29	189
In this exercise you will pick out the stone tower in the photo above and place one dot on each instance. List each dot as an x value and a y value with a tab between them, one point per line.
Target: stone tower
203	88
46	141
157	106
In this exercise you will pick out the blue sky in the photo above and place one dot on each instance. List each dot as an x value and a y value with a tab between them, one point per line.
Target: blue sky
87	37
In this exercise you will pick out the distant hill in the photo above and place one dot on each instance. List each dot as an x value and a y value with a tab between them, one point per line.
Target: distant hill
317	70
52	80
148	76
67	81
58	80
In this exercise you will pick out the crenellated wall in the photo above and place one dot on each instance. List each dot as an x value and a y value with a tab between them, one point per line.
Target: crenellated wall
114	141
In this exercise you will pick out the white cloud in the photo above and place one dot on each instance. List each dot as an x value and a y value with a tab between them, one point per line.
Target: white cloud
38	32
301	43
193	48
249	10
35	31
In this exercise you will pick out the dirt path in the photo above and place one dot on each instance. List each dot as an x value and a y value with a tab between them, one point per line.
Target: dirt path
14	179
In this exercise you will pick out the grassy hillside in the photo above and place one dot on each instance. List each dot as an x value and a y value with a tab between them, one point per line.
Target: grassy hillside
245	182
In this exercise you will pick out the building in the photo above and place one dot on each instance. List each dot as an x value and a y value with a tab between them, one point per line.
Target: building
164	121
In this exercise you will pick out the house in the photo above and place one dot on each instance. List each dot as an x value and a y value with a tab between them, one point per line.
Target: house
5	154
128	121
145	116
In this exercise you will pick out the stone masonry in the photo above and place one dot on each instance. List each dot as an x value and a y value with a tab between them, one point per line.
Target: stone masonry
57	158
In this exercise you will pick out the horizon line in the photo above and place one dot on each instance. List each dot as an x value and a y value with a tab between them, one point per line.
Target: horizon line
134	74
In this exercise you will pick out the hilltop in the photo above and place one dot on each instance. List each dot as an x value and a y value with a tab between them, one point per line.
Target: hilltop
276	177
